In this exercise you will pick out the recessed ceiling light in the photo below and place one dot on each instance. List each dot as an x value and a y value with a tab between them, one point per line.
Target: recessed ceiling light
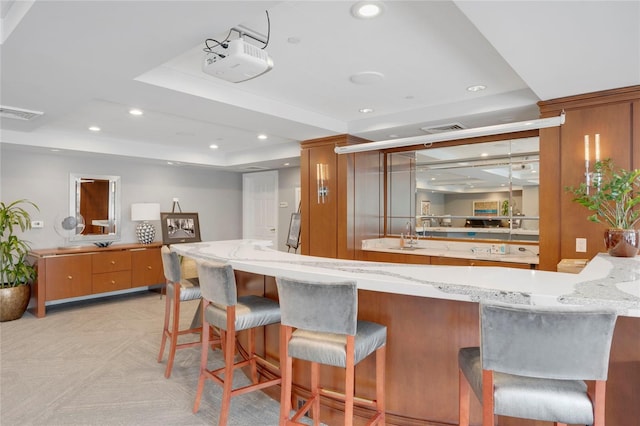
476	88
94	128
366	77
135	111
285	164
484	154
366	110
393	136
262	137
213	146
367	9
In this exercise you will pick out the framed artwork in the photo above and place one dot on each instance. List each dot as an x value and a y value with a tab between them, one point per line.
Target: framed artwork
486	208
425	208
180	228
293	238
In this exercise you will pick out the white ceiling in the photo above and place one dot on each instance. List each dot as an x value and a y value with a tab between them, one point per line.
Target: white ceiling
87	63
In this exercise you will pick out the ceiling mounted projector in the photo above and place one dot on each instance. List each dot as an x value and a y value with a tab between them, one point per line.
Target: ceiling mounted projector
238	61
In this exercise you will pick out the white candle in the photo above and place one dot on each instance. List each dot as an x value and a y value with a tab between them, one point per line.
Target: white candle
586	148
597	146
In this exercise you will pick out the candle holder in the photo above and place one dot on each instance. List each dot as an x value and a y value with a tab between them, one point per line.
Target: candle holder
592	178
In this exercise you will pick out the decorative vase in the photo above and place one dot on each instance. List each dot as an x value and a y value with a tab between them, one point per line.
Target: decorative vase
13	302
145	232
622	242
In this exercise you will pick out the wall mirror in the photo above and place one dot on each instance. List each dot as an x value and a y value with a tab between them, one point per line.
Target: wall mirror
97	199
484	190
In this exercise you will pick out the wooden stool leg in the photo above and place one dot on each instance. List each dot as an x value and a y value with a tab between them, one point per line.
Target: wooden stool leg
252	358
286	371
464	393
349	387
488	418
315	393
165	327
175	327
230	346
381	355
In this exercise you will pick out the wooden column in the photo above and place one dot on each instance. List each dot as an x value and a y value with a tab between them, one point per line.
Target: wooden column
614	115
328	227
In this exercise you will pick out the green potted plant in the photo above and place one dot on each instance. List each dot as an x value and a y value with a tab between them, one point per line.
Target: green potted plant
16	273
613	198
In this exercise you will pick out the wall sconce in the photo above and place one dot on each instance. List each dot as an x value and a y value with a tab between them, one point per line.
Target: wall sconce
145	212
322	175
591	177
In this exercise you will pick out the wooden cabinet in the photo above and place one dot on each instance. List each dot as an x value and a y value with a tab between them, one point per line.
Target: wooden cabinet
67	273
148	270
400	257
455	261
67	276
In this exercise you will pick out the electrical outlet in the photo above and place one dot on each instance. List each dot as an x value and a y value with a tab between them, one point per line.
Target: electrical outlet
581	245
37	223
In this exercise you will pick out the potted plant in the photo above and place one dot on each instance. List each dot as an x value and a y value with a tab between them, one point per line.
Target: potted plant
613	199
16	273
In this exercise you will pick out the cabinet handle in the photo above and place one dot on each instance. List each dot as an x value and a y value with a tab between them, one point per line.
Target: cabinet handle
113	262
149	267
113	281
69	277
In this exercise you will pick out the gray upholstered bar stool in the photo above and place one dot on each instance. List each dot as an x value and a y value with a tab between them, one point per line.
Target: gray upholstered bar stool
178	290
532	363
319	324
223	308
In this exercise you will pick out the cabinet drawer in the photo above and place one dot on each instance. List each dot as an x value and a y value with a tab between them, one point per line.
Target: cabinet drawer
111	261
67	276
146	267
111	281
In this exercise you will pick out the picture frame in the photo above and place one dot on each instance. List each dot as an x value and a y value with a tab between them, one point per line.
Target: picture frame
425	208
180	228
293	237
486	208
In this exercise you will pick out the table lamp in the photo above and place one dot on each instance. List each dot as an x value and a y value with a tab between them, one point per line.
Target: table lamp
143	213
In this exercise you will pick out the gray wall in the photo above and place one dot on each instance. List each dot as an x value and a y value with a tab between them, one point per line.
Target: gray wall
43	177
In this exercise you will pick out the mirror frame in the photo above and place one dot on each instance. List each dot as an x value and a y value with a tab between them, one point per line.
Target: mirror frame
114	207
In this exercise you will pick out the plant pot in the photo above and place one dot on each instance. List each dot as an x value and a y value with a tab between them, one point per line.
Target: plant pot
13	302
622	242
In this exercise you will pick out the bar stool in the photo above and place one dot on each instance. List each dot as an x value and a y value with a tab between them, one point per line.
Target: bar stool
177	290
327	331
532	363
222	308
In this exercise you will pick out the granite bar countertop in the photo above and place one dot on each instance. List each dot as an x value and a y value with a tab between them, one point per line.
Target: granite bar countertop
605	281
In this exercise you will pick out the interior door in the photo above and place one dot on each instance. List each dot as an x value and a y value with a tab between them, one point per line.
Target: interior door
260	206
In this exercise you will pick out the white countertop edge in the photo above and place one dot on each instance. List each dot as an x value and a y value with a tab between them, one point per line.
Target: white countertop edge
600	283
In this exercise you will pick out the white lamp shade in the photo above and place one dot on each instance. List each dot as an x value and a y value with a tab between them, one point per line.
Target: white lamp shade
145	211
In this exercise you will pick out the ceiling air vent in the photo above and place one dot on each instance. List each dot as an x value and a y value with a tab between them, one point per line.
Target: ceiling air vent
254	168
18	113
443	128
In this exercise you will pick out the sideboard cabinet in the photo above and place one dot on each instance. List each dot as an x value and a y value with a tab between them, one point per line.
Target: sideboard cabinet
76	272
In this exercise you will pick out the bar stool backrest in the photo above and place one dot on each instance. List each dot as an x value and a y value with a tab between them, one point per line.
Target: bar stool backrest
316	306
170	264
218	283
568	342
